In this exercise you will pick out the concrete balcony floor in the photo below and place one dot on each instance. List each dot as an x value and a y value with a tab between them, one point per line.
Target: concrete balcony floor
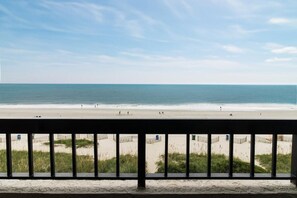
161	188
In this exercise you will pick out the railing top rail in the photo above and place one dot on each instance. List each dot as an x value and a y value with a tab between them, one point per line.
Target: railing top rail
172	126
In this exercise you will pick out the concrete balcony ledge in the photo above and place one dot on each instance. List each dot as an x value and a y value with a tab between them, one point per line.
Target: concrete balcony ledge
161	188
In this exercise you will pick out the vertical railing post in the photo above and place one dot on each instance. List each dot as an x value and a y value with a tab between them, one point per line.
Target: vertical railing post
95	139
30	155
166	156
141	160
117	155
188	155
209	154
252	155
274	155
52	154
74	171
231	148
8	155
294	160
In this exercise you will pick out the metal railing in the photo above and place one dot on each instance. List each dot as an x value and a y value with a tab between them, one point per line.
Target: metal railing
142	127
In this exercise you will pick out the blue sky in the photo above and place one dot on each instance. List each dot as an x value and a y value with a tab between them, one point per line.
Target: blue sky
149	41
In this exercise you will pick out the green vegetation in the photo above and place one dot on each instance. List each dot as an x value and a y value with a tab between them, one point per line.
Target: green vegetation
198	164
283	164
81	143
128	163
63	161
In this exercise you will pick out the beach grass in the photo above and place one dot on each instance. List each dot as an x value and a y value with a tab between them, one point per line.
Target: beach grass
128	163
198	164
283	164
63	162
80	143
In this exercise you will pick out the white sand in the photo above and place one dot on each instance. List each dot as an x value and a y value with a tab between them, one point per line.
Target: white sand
144	113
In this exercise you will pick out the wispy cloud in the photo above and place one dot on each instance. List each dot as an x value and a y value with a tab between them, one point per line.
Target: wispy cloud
209	40
89	10
248	9
179	8
240	31
233	49
276	48
132	21
276	59
12	15
152	60
285	50
279	21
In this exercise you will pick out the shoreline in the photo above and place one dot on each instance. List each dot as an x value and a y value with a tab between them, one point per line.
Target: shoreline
182	107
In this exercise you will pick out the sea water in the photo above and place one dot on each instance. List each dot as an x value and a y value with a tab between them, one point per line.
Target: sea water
147	96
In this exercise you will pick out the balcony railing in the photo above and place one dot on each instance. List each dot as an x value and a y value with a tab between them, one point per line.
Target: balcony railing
143	127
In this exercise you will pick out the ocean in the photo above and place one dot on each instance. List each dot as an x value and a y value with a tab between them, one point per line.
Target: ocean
145	96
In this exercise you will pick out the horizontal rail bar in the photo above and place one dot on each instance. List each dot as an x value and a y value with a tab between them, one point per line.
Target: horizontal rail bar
151	176
128	126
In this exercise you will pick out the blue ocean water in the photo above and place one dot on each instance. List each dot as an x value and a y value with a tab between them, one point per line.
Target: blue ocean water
145	94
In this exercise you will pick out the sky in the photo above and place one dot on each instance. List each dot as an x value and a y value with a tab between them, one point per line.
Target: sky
149	41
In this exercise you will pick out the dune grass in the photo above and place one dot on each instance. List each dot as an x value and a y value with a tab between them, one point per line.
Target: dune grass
80	143
198	164
63	162
128	163
283	164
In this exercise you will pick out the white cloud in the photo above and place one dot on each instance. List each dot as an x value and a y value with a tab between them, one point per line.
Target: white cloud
285	50
134	66
276	59
233	49
279	21
276	48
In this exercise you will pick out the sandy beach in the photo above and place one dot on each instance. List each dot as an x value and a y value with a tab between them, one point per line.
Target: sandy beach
126	113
